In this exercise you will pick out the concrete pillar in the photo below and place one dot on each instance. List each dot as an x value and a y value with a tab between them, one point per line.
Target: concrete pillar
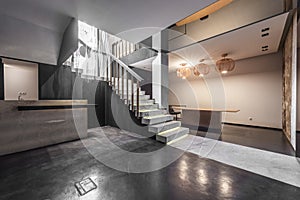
289	103
160	70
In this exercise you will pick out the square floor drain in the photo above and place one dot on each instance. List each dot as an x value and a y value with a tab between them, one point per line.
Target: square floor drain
85	186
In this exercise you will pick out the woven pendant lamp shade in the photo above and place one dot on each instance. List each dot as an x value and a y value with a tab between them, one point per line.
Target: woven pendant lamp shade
185	72
201	69
225	65
178	72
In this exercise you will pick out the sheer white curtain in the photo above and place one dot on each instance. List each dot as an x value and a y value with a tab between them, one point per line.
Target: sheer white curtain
92	58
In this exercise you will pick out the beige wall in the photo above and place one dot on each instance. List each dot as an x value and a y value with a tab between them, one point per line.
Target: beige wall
20	77
255	87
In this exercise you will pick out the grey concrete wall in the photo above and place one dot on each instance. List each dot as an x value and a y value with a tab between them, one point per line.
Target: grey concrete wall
117	114
146	84
22	40
57	83
70	41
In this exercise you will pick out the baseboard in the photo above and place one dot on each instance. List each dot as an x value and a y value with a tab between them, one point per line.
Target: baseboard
252	126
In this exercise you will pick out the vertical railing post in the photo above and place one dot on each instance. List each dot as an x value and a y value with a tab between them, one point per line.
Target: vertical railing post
118	78
132	95
121	49
115	66
126	48
122	78
137	98
127	87
111	72
107	67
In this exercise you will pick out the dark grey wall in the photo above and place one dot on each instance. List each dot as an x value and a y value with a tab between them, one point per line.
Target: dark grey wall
70	41
146	84
298	144
59	82
147	42
55	83
117	114
1	80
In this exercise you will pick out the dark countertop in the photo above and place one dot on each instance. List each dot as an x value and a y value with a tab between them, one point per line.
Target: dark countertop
50	107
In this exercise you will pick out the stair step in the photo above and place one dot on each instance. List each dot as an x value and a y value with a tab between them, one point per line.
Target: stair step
157	119
146	106
141	96
125	88
172	135
148	113
142	102
164	126
130	92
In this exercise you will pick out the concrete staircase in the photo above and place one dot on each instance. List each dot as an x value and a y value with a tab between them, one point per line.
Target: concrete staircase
158	120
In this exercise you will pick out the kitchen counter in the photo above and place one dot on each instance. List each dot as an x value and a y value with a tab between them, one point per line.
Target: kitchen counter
27	125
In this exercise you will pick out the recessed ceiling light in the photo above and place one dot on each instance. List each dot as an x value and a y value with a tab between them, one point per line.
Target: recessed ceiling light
204	18
204	12
265	29
265	34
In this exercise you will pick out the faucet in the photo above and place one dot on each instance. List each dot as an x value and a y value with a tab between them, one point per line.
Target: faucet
20	96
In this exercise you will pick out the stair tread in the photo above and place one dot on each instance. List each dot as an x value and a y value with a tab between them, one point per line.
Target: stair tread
153	110
173	131
158	116
144	104
165	124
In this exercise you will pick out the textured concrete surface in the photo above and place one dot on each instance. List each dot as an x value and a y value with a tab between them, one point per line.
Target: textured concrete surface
273	165
24	130
50	173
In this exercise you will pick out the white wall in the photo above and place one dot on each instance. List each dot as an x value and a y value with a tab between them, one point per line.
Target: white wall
20	77
255	88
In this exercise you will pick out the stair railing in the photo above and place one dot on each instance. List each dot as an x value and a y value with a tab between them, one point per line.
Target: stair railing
123	79
118	72
123	48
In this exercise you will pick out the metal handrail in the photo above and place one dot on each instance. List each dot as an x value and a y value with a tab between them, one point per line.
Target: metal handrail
126	67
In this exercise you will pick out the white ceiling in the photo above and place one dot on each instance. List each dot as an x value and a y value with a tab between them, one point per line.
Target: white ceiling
239	44
116	17
237	14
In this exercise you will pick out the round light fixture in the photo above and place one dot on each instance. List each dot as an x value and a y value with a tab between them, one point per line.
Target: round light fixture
201	69
183	72
225	65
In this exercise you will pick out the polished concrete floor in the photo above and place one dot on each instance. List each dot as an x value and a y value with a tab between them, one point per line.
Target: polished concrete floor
50	173
260	138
